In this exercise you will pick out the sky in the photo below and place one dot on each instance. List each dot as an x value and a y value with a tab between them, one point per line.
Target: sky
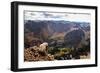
67	16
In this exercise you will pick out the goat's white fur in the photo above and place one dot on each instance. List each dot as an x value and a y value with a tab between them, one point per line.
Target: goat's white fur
43	46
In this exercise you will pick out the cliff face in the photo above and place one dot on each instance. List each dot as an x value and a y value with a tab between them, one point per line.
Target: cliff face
33	54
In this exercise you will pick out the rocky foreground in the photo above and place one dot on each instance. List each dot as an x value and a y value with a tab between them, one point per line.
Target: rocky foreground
34	54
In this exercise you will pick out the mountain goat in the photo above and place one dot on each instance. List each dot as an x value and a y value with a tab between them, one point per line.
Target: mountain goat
43	47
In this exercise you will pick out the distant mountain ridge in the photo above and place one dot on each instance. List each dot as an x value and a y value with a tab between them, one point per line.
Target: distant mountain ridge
56	26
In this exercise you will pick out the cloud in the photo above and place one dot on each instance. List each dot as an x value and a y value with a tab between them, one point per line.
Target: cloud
31	15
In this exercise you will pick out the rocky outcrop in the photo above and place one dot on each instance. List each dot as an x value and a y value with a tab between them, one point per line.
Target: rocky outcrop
34	54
